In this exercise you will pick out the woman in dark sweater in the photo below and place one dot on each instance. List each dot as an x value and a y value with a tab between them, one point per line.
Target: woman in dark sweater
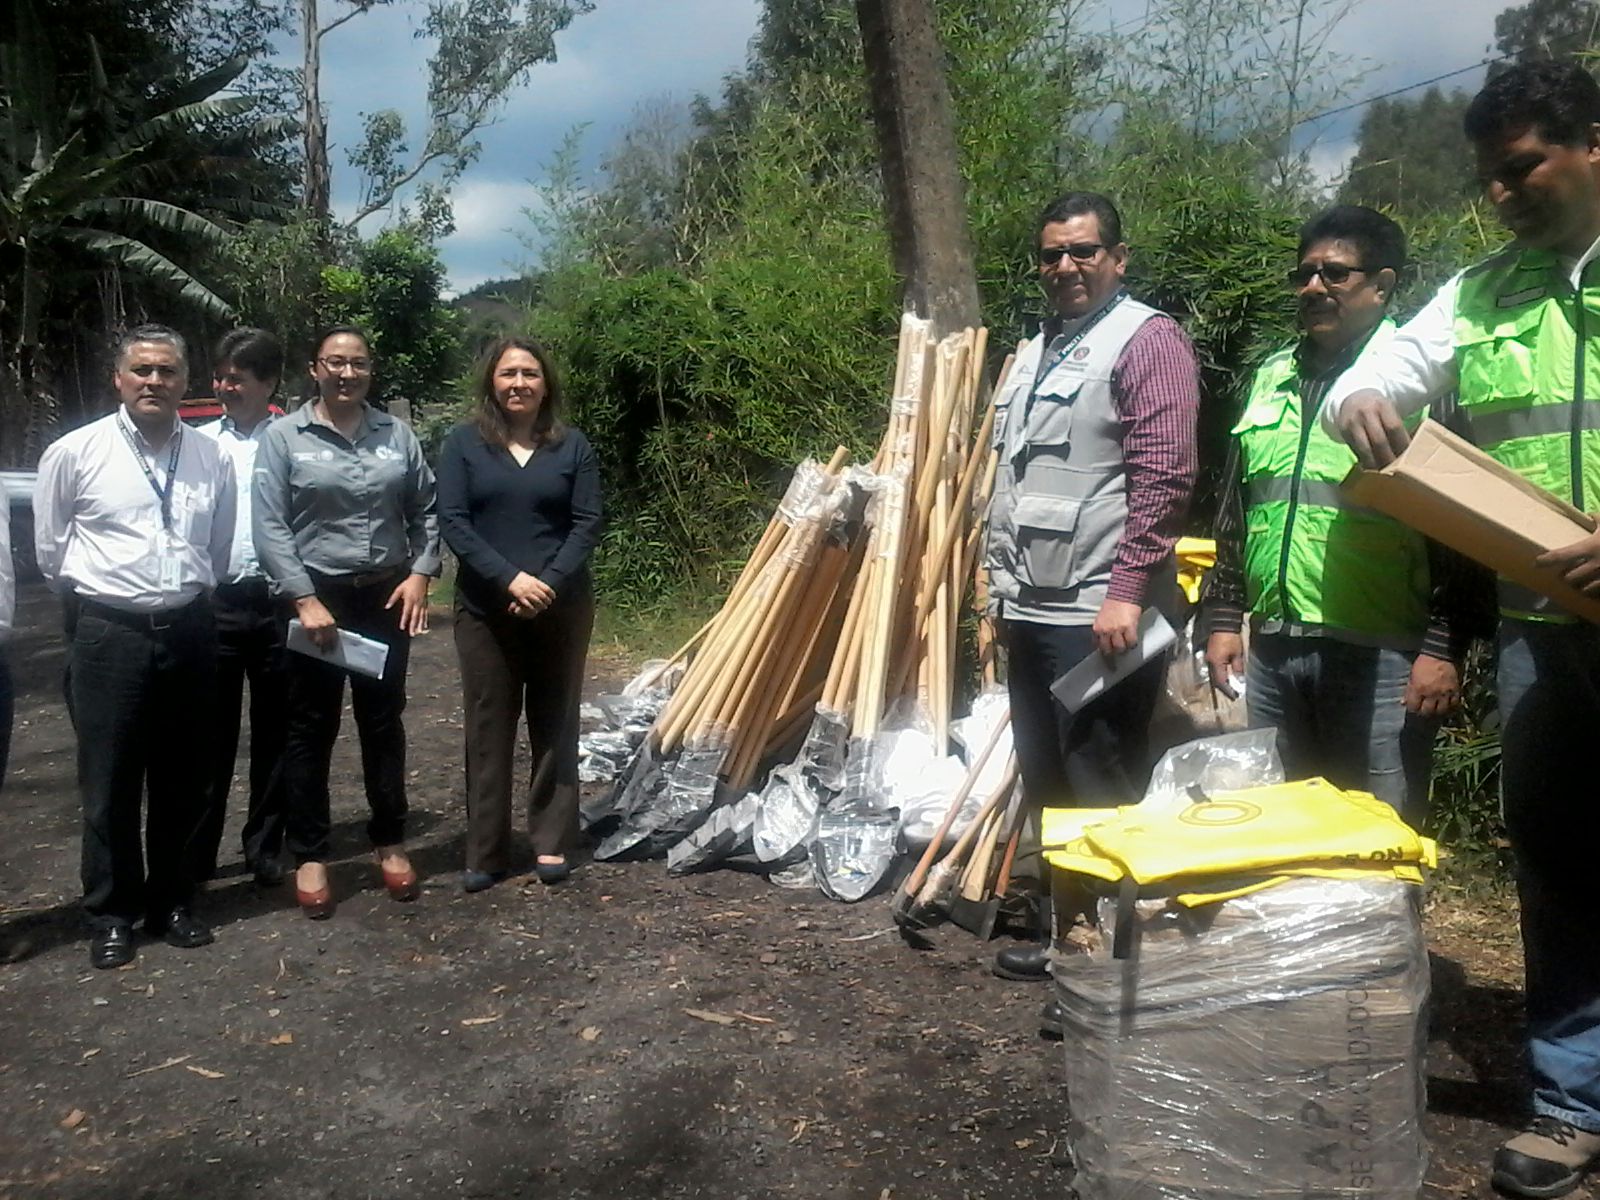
519	503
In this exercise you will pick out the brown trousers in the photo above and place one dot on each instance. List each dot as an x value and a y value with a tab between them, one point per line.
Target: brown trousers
513	666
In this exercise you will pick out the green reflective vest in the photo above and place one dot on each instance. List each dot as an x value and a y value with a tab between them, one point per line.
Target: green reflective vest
1310	557
1527	354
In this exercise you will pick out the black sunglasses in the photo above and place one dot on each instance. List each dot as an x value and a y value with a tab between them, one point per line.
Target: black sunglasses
1079	251
1333	274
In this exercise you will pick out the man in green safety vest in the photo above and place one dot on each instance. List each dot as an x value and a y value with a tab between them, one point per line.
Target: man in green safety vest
1519	336
1354	655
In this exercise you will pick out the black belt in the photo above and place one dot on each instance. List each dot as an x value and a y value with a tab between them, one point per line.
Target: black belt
361	579
257	589
146	622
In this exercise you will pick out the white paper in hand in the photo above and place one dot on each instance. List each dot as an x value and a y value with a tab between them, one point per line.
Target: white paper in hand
1092	676
351	651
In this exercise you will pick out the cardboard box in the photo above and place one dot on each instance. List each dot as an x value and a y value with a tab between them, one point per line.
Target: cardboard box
1268	1047
1456	494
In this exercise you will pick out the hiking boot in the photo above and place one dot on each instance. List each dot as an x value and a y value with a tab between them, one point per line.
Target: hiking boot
1547	1158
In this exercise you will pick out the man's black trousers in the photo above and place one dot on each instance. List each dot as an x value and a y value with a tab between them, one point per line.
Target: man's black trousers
250	633
1098	757
141	690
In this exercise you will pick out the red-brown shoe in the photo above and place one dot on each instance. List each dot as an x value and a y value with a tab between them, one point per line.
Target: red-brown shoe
316	903
401	884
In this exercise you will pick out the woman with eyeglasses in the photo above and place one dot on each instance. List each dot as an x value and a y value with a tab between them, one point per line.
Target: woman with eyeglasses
344	521
519	501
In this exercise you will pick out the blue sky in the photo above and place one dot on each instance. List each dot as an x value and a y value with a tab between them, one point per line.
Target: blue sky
629	54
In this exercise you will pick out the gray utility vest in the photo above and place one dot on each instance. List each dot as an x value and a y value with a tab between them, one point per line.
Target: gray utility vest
1061	493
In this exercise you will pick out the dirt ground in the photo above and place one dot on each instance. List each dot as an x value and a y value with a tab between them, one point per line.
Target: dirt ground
625	1034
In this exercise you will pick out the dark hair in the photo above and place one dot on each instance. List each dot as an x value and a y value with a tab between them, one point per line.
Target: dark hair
163	334
253	350
309	394
1560	100
1380	242
1077	204
333	331
491	420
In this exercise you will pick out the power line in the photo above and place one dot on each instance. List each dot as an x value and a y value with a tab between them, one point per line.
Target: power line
1400	91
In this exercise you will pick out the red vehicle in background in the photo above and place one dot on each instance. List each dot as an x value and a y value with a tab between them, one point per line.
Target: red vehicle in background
198	410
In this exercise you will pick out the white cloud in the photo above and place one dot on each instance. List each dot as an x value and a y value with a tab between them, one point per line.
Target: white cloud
489	217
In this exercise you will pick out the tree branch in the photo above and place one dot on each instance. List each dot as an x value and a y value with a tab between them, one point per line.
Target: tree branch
338	21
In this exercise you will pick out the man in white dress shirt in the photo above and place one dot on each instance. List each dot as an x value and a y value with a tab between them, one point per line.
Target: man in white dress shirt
133	520
245	371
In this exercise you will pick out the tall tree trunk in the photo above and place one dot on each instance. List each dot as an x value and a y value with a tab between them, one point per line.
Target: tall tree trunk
317	186
923	189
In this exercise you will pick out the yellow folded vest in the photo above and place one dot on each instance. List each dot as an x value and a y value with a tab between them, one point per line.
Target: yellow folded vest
1239	841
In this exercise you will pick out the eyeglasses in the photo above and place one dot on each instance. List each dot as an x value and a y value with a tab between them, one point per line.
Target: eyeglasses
1080	252
338	366
1333	274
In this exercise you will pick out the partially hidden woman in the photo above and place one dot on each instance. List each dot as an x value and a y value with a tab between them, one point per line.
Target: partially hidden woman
519	503
345	522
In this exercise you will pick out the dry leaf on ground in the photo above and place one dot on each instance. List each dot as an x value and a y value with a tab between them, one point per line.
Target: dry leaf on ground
700	1014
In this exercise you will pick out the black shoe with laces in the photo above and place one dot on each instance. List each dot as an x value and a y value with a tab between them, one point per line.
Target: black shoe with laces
1548	1158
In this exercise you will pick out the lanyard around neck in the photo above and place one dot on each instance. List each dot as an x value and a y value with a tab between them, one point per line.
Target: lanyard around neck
1073	342
163	494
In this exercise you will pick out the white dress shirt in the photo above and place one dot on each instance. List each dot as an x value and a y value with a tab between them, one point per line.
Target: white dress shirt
240	448
1419	365
97	520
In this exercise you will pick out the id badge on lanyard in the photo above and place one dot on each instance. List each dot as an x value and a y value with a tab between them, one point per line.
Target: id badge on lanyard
171	562
169	549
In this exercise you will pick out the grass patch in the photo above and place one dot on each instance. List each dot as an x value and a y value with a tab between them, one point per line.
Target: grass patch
630	634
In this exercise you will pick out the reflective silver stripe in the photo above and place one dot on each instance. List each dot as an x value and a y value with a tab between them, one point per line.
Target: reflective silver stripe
1528	605
1268	626
1542	420
1312	491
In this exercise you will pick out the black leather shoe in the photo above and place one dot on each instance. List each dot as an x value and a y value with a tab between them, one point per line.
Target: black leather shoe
180	928
1051	1022
111	947
1028	964
268	872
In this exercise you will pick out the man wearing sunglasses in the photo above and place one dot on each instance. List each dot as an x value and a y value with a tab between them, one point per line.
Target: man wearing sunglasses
1518	335
1353	656
1096	434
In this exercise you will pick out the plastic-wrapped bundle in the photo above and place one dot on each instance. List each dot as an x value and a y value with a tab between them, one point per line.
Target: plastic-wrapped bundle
724	833
684	794
1219	763
1267	1047
855	842
786	819
623	721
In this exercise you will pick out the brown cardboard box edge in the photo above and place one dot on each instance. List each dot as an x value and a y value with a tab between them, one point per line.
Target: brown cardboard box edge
1448	489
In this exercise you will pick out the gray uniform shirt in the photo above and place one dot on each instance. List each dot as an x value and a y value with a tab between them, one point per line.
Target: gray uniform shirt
335	506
